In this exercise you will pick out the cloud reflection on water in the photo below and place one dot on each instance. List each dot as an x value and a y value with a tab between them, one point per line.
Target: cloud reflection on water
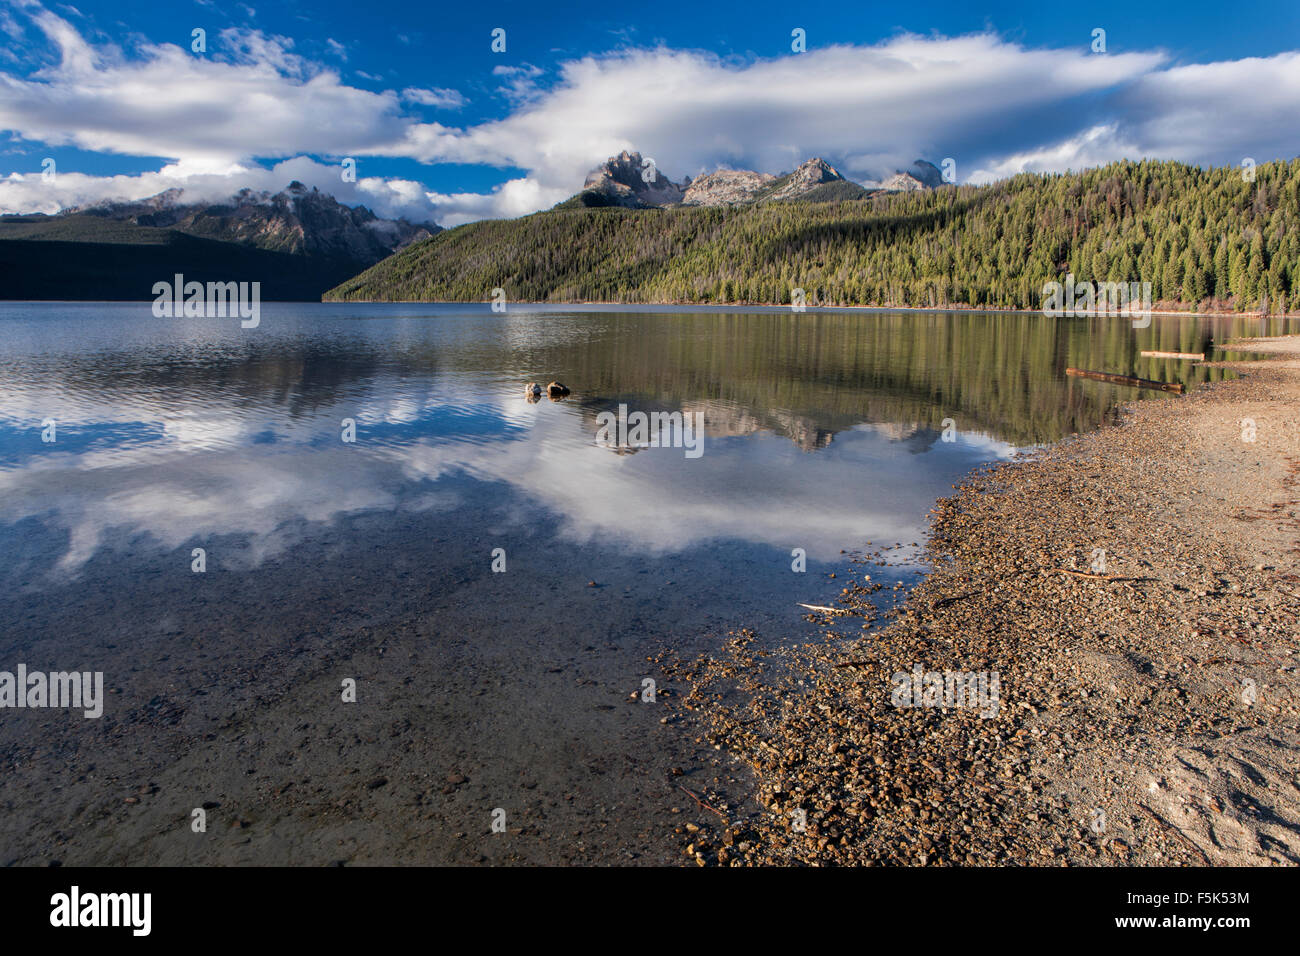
201	470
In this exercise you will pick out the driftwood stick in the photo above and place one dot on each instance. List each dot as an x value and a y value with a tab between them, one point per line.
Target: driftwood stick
703	805
823	608
1194	356
1101	577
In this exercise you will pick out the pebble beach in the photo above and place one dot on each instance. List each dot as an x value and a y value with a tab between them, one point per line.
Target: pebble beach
1134	591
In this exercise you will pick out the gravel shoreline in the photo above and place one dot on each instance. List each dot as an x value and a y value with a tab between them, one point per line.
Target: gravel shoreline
1146	703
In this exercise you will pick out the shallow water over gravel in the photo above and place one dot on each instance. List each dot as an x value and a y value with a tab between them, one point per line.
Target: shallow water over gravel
373	559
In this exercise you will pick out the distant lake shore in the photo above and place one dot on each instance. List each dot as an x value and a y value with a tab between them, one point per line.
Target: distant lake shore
745	306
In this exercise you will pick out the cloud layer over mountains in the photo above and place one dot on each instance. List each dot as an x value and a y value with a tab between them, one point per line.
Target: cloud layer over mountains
253	113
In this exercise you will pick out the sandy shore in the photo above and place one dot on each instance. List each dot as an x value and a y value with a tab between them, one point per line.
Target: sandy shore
1147	707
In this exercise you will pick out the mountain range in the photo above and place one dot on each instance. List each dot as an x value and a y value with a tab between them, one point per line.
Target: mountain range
1203	239
633	182
298	243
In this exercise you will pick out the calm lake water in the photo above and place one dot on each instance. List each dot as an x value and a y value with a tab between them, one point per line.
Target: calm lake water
823	431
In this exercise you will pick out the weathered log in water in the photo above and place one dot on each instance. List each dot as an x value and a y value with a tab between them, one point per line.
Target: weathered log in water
1126	380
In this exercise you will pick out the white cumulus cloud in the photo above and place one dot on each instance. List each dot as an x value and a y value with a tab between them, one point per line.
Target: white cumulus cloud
253	109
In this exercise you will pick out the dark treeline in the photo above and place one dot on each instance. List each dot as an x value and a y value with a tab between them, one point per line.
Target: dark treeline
91	258
1204	239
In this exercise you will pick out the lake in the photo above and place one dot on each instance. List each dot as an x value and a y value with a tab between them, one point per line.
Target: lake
237	525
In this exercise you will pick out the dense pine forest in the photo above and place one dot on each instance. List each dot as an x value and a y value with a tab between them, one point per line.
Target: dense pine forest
1204	239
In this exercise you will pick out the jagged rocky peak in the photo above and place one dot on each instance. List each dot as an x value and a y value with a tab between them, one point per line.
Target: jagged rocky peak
809	175
128	209
621	181
299	219
920	175
816	171
628	179
726	187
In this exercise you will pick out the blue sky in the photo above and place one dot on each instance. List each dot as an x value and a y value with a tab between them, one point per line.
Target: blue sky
445	129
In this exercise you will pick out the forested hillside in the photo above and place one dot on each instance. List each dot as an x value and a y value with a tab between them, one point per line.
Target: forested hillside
1202	238
89	257
297	243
